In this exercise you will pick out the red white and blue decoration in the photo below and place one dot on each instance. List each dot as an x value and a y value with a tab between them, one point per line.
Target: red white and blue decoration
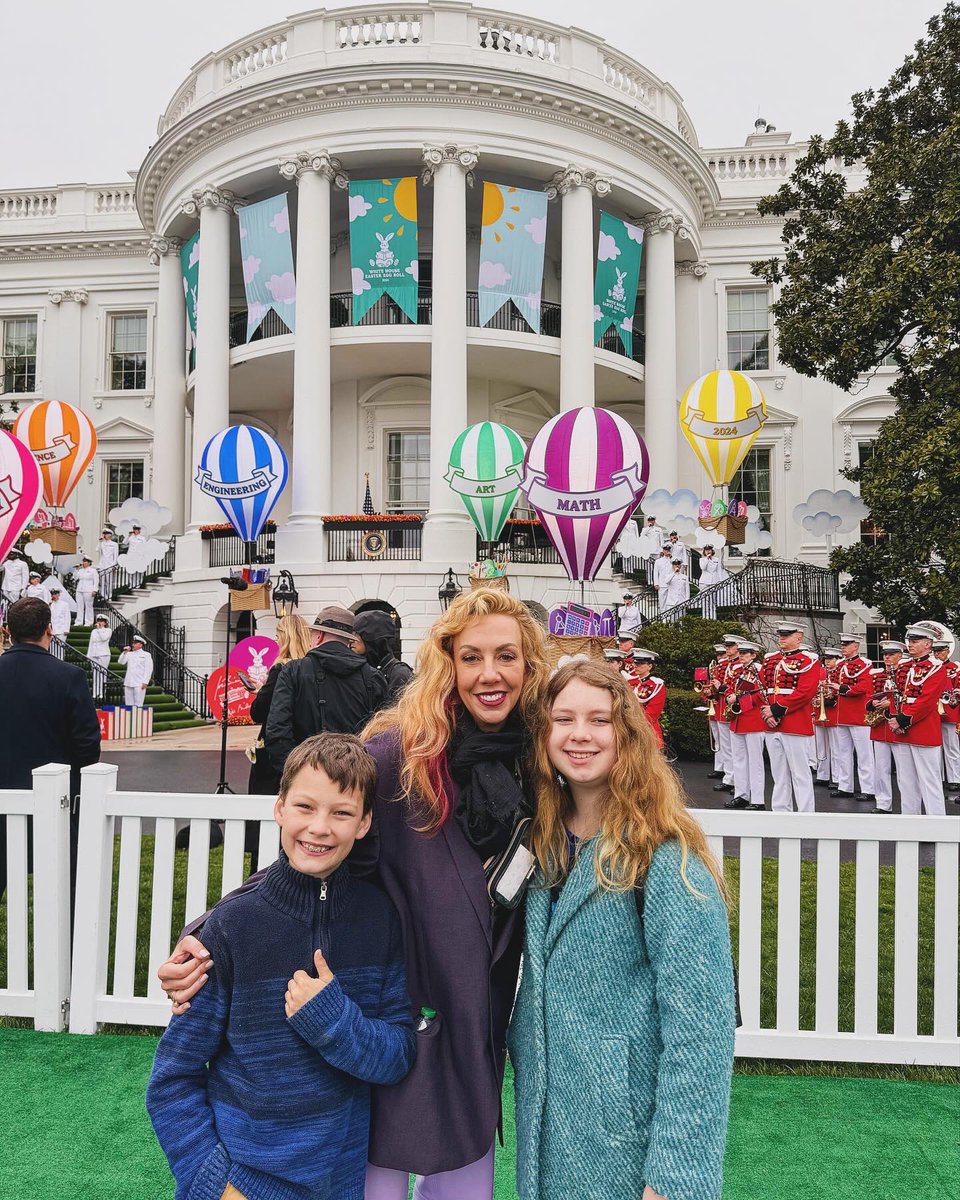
20	487
244	470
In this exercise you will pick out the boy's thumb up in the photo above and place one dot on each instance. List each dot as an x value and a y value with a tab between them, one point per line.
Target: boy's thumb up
324	974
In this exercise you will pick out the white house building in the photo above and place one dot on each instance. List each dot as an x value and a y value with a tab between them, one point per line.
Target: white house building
92	304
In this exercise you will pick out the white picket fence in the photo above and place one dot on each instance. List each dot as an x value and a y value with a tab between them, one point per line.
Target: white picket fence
152	922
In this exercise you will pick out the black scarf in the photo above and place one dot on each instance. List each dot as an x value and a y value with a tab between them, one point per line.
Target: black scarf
483	766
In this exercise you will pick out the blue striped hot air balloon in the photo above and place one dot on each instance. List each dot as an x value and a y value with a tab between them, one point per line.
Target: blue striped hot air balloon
244	470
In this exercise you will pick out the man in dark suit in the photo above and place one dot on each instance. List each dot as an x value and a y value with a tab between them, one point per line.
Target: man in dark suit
46	715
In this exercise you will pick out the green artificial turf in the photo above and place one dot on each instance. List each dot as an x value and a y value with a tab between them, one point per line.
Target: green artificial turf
72	1115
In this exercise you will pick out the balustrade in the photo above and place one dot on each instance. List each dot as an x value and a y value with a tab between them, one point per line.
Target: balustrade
257	56
392	540
521	542
15	205
116	200
225	549
511	37
386	29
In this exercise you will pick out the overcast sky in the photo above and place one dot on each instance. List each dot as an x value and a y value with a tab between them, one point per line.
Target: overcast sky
84	81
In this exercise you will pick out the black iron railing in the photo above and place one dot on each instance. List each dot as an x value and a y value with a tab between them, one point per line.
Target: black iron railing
762	584
119	582
225	549
373	541
521	542
105	684
611	341
271	326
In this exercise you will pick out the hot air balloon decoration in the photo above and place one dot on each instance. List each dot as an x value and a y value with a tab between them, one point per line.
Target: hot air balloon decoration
721	414
63	442
584	475
485	469
20	486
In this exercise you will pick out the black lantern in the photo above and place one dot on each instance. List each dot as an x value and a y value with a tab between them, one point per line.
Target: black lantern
285	595
448	590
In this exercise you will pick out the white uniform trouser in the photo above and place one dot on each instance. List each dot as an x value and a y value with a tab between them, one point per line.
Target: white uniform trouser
134	695
883	775
663	601
951	752
748	777
11	597
918	777
821	740
791	772
726	751
852	739
99	679
84	608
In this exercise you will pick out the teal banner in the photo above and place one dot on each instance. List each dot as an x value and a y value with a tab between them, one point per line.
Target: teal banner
383	243
190	270
618	274
266	256
512	237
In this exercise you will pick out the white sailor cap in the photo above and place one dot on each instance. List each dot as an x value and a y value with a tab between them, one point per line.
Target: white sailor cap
732	639
641	655
749	647
785	627
846	638
138	638
719	646
831	652
918	631
940	644
614	655
892	647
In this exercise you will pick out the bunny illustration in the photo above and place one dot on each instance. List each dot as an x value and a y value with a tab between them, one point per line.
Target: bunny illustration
617	291
257	671
385	256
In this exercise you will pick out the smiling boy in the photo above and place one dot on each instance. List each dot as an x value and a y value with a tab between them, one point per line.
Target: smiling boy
262	1088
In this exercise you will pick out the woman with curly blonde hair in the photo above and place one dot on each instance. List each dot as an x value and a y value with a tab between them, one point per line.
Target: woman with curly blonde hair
622	1037
294	640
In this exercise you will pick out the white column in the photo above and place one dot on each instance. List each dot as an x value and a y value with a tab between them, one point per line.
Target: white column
660	431
211	393
170	382
577	187
311	468
448	534
689	325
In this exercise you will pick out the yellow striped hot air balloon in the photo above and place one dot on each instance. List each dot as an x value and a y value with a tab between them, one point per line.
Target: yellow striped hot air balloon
721	415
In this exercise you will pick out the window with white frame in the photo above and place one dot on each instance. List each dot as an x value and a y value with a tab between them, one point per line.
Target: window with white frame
748	329
124	478
408	472
870	531
127	366
752	485
18	354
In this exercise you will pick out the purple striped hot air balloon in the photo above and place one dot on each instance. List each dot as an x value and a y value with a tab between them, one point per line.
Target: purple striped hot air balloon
584	474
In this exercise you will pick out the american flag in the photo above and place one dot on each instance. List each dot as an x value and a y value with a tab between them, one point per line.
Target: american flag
368	508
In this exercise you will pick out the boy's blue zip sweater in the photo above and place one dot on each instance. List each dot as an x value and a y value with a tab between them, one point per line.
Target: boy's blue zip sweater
282	1111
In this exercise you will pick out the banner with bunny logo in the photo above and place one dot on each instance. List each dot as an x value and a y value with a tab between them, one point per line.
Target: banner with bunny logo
190	271
383	244
619	249
266	256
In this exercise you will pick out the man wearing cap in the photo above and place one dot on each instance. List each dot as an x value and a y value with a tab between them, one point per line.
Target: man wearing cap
139	672
617	660
86	588
651	543
679	551
747	729
106	565
852	689
881	701
678	587
662	574
949	716
915	723
650	690
711	572
630	620
330	690
98	651
15	577
715	690
790	678
59	613
825	727
35	589
135	539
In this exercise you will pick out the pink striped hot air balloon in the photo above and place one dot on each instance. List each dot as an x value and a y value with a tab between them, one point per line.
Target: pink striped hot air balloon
19	489
63	441
584	474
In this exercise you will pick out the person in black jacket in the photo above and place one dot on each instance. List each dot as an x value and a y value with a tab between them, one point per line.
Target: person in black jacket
377	640
294	640
330	690
47	715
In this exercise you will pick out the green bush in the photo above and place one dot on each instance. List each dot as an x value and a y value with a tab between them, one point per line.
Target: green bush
685	645
685	729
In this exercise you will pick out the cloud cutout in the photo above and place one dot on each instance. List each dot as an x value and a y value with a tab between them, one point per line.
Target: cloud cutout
537	228
634	232
493	274
251	265
281	220
39	551
670	507
710	537
194	254
148	514
414	270
358	207
283	288
849	510
607	248
140	557
358	281
755	538
822	523
627	324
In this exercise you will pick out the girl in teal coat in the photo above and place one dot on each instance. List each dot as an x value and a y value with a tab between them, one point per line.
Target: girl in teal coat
622	1036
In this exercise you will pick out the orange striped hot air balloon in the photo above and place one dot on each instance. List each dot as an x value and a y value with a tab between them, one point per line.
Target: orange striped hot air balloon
721	415
62	440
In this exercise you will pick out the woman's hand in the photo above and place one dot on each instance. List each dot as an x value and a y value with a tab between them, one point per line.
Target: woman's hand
650	1194
184	973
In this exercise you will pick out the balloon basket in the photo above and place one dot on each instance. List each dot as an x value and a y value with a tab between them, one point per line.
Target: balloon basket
499	582
561	646
255	598
60	541
732	528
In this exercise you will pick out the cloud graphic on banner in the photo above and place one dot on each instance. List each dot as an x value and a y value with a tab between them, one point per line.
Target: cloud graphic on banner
140	557
849	509
194	254
414	269
256	312
358	207
634	232
243	230
537	228
283	288
627	324
281	222
148	514
493	274
597	314
251	266
39	551
358	282
607	248
534	300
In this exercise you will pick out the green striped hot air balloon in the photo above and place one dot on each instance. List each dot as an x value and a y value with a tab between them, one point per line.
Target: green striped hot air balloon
486	465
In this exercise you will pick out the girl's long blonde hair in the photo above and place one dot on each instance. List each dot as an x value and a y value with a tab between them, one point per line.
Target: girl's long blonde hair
293	637
426	712
644	805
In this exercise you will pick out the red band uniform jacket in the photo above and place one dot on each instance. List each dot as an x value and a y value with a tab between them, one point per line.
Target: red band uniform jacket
652	694
919	688
856	687
747	696
951	712
791	682
831	703
884	684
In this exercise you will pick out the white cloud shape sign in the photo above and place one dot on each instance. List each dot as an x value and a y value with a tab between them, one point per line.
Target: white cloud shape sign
194	254
710	537
358	207
148	514
755	538
358	281
825	512
669	507
39	551
140	557
607	248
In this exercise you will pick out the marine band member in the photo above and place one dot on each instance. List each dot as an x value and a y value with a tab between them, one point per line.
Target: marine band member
790	677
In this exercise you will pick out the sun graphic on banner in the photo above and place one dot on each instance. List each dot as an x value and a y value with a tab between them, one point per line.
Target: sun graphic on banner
495	206
403	202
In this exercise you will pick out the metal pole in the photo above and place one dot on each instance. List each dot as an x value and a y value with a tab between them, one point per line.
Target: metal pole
223	786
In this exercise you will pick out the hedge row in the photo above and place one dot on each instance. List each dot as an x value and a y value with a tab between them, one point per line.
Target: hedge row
685	729
685	645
